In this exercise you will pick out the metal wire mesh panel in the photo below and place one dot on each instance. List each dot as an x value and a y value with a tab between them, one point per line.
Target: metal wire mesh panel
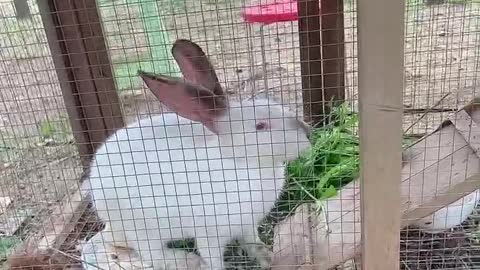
441	65
39	161
188	117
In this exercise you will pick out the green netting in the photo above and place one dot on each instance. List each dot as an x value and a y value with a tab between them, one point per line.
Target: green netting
155	56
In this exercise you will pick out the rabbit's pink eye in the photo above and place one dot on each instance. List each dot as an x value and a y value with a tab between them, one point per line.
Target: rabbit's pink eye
261	126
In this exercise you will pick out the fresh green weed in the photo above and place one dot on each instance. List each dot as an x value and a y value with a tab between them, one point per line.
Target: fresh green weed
7	243
332	162
57	131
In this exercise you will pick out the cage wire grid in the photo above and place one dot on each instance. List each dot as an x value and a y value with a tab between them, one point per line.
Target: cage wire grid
40	164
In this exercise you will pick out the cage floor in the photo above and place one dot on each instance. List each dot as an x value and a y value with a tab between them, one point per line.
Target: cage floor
456	249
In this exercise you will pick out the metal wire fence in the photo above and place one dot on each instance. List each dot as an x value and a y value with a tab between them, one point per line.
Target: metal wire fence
162	179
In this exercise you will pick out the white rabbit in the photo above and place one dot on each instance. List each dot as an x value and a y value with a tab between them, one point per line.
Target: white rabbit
451	215
211	170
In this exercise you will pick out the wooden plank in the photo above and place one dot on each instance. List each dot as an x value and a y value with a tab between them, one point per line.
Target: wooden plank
456	192
81	60
68	88
333	51
380	78
310	59
63	220
321	36
36	251
100	67
60	224
468	128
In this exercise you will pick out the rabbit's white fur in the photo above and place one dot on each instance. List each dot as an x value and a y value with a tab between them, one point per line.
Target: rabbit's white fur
450	216
166	177
209	171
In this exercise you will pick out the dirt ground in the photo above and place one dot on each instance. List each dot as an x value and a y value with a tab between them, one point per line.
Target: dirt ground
38	161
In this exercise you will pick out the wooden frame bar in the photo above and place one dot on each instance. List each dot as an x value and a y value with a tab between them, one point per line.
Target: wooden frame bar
22	10
322	58
380	78
333	51
80	55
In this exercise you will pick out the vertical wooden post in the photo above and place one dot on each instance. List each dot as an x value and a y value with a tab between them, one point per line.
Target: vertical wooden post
322	56
380	78
333	50
81	60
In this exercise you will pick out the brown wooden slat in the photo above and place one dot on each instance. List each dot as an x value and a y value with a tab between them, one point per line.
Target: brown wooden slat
469	129
380	103
81	58
322	55
333	50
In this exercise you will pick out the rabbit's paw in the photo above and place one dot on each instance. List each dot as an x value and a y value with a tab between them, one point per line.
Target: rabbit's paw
261	253
263	257
194	261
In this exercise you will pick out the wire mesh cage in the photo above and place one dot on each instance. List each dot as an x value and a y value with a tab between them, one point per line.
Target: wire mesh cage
178	134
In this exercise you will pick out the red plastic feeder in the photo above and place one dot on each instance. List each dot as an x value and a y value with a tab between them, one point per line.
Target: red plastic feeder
278	11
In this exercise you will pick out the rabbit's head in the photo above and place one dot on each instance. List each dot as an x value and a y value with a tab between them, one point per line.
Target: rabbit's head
254	128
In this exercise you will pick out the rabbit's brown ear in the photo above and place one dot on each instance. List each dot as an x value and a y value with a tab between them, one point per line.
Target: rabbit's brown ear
187	100
195	65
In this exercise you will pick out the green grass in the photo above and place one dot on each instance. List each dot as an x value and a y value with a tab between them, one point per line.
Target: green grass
331	163
18	145
7	244
56	130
